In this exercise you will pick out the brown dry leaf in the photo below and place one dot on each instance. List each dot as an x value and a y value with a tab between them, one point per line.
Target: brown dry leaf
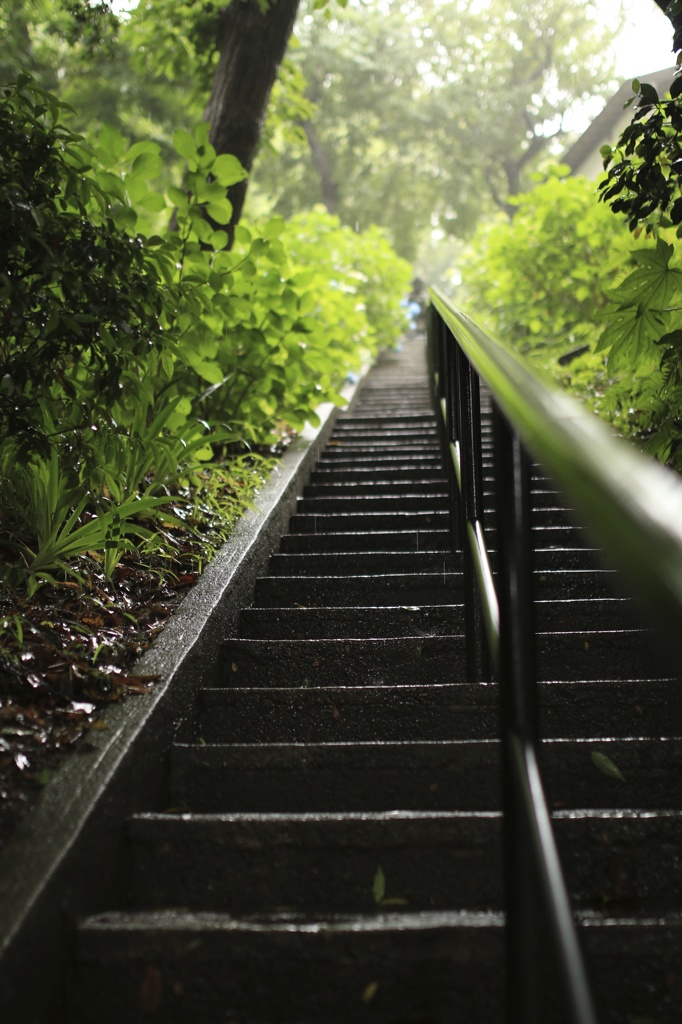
151	989
92	620
370	992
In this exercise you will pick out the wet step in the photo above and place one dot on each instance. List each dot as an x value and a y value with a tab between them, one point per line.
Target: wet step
416	450
368	503
348	421
392	589
371	474
414	588
330	623
379	461
586	708
379	515
370	562
389	441
354	522
435	487
351	432
430	659
446	775
365	963
365	863
293	623
399	967
388	540
354	662
382	562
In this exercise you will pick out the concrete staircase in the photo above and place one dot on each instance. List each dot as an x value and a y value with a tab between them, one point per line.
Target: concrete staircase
330	848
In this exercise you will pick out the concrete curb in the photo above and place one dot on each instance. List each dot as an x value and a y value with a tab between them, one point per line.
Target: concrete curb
67	854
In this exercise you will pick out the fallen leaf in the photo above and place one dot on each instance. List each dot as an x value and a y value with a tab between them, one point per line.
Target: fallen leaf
370	992
606	765
151	989
379	886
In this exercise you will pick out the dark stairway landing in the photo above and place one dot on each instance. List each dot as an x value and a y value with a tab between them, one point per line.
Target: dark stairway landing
331	848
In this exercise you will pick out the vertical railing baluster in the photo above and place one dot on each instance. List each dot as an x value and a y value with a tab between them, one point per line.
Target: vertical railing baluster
519	720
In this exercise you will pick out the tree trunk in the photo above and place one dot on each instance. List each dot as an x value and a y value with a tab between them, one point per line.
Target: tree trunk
330	190
251	45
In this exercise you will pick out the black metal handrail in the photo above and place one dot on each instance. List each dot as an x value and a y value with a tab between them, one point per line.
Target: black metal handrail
633	509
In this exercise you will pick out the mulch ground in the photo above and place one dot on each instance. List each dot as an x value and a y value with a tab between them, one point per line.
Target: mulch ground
70	650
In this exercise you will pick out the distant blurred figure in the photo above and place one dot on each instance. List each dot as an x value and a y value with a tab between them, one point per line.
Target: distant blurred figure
416	305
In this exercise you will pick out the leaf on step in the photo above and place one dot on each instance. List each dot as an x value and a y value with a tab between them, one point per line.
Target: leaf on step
606	765
379	886
151	989
370	991
393	901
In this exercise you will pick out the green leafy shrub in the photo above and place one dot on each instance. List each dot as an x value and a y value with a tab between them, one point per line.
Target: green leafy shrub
552	282
132	350
644	338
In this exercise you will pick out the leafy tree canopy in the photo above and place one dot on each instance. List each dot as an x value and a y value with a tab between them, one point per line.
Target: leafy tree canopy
429	113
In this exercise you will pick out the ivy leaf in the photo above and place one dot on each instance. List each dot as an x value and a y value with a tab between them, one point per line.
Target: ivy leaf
653	282
628	336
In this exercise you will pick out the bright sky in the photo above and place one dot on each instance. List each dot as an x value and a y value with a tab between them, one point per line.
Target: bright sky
644	46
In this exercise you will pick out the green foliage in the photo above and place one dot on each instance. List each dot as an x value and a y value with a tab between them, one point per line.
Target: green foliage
562	284
644	182
130	352
543	275
79	304
553	277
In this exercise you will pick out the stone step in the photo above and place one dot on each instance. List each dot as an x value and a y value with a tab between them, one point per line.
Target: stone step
431	659
294	623
388	562
418	453
427	504
610	707
350	419
387	433
388	461
358	622
360	519
387	540
345	864
350	662
393	589
364	504
354	522
370	563
371	474
429	968
371	487
443	775
436	487
414	589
